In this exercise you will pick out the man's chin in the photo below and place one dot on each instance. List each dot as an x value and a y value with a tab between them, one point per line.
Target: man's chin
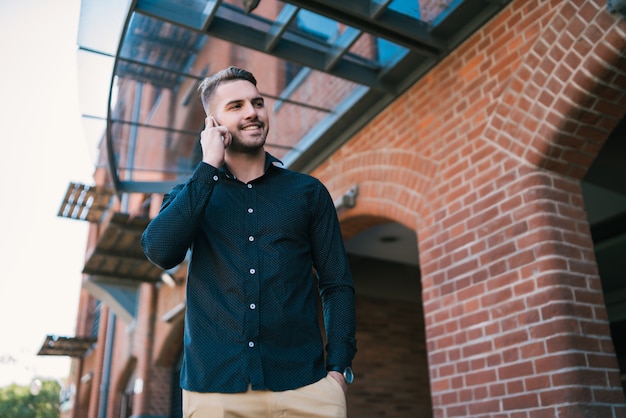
247	148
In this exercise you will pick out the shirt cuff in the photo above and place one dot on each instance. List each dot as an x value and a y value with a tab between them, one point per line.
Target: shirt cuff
205	173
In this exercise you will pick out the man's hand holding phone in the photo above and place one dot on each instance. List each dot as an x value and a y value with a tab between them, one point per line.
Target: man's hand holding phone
214	140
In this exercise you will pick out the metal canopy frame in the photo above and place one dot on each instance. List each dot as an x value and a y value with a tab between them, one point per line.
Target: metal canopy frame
88	203
118	252
176	31
66	346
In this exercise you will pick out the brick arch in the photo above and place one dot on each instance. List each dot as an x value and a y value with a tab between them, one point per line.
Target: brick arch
566	97
390	182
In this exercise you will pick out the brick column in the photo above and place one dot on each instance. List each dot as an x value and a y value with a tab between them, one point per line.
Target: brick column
515	315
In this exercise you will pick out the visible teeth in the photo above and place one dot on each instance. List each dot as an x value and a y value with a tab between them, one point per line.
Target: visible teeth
249	128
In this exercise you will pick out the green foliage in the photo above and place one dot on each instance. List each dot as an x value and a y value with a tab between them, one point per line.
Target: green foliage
18	402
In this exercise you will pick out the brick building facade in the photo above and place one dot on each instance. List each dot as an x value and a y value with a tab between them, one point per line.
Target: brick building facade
500	309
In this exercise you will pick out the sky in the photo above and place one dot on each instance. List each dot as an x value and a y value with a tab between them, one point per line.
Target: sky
42	149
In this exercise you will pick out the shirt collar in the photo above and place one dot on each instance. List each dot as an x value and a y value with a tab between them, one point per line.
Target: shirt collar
270	161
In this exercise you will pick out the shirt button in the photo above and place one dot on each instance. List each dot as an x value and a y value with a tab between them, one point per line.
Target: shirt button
249	186
252	271
216	178
250	210
250	238
252	306
251	344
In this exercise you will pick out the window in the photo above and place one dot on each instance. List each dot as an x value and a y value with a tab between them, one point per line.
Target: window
316	26
388	51
319	26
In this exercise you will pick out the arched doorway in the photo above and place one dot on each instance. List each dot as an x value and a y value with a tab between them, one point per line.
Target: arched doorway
604	191
391	365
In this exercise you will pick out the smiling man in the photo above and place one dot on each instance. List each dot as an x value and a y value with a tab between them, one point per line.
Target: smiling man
264	242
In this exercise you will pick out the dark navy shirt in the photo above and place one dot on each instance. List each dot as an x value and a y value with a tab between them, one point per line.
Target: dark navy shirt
260	252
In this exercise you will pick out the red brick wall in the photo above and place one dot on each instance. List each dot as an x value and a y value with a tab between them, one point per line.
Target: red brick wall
390	366
483	159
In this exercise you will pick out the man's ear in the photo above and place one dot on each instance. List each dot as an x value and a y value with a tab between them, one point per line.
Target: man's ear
212	119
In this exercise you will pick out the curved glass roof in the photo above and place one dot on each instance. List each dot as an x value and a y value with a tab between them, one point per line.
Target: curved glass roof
163	43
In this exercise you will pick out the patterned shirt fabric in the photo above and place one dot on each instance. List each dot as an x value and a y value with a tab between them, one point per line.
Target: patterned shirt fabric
260	253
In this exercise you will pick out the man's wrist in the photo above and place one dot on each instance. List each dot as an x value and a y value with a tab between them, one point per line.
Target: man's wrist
347	372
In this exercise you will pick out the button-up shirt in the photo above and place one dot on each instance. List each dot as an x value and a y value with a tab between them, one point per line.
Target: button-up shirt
260	254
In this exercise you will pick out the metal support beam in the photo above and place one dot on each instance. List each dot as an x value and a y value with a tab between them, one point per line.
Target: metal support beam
287	14
341	46
380	21
232	25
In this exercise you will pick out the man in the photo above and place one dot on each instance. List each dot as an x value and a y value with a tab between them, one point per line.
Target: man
260	236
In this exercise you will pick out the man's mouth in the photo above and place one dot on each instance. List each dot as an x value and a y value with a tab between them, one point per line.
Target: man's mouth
251	127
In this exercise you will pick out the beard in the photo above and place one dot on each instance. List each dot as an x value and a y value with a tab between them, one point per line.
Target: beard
248	146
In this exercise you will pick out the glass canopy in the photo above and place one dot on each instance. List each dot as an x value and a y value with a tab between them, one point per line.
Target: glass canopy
161	43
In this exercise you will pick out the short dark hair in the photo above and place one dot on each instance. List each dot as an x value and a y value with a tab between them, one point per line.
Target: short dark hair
209	85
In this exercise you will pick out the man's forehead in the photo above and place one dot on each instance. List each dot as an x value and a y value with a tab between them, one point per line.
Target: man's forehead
236	90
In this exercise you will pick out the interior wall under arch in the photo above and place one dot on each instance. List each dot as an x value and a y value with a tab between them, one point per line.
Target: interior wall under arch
391	365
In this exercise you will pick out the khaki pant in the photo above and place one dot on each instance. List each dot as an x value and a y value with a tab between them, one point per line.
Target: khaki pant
323	399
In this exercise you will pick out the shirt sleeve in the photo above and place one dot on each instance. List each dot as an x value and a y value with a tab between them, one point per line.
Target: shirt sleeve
335	282
170	234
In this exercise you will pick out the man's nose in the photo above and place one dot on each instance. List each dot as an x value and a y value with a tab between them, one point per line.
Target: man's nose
250	111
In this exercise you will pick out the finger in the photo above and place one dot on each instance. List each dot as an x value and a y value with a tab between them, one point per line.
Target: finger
222	130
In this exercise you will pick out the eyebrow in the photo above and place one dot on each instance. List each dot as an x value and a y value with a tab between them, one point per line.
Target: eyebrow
236	101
